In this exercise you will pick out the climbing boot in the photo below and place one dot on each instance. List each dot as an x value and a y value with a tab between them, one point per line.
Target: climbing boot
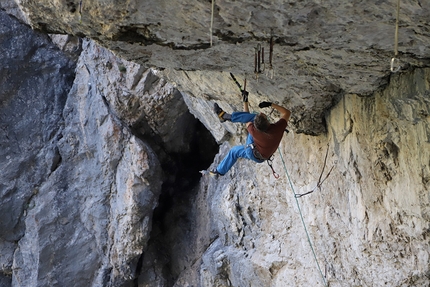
223	116
214	173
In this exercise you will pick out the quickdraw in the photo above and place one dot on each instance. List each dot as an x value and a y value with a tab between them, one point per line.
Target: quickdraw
270	163
270	71
320	182
258	55
259	64
395	61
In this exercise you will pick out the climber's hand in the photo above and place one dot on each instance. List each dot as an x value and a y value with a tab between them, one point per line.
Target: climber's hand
265	104
245	96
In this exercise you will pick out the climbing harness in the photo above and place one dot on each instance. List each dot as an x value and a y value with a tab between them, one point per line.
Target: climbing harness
395	60
255	152
320	182
269	160
303	221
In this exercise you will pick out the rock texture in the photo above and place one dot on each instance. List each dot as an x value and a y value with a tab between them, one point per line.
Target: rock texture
79	179
100	155
30	117
104	187
369	220
323	49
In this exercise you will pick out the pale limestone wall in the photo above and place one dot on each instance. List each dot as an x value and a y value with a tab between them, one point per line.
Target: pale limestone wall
369	222
83	197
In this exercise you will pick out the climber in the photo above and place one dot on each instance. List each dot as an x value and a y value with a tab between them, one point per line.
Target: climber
263	138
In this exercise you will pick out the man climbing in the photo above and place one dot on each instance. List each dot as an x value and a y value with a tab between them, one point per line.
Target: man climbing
263	137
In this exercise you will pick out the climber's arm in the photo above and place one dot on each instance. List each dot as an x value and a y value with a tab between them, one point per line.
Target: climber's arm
245	107
285	114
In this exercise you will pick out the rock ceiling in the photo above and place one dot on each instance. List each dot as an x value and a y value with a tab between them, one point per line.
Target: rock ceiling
322	49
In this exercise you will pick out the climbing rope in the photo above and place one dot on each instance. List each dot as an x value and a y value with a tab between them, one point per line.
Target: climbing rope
80	11
303	221
395	60
212	18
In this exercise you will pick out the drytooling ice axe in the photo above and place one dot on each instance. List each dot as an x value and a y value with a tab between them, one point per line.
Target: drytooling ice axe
244	92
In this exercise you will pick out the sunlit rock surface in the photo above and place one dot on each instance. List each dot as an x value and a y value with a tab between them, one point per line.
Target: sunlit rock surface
100	155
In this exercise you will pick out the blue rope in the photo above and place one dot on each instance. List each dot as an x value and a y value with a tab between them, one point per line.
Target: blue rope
303	221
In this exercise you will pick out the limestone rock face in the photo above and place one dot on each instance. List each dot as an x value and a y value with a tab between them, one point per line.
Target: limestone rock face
100	154
86	147
31	115
76	181
104	188
322	49
368	222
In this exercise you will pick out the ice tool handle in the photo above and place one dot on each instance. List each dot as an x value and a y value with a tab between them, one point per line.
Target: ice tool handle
243	91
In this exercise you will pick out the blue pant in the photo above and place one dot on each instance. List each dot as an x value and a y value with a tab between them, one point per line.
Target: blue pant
239	151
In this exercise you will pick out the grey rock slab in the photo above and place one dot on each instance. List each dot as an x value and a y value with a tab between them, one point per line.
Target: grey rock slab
322	50
35	77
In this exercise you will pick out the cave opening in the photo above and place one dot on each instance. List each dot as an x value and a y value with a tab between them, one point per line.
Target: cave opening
182	178
182	169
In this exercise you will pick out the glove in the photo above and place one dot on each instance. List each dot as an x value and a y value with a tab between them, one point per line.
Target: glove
265	104
245	96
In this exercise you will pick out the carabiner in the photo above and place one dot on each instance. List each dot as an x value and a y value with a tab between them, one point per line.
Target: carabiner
393	61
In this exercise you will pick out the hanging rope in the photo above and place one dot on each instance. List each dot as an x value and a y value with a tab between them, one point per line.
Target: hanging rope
80	11
212	18
303	221
395	60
